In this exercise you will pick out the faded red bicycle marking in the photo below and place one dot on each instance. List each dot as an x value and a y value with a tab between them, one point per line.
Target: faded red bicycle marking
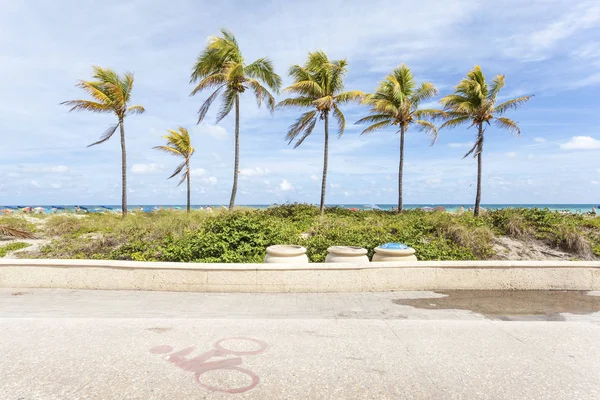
200	364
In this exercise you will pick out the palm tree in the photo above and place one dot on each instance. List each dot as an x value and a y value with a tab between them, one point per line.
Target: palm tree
319	86
111	93
221	67
396	102
179	144
474	102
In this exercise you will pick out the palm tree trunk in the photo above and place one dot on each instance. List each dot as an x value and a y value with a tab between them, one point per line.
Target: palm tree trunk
123	170
188	186
325	158
479	150
237	152
400	169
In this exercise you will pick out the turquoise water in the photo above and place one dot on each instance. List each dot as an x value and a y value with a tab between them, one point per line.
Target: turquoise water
574	208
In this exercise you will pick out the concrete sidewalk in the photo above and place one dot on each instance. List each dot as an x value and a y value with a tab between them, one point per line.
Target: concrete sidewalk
61	344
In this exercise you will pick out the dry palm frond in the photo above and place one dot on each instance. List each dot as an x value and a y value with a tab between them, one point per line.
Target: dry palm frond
17	233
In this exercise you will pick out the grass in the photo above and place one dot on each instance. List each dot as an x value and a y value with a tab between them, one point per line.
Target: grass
4	250
243	235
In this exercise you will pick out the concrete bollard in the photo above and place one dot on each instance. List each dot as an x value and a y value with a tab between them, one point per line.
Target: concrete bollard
394	252
287	254
347	254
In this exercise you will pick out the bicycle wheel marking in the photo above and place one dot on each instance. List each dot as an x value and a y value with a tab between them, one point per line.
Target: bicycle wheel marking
200	364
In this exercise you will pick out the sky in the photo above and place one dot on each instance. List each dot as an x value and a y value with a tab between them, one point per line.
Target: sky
547	48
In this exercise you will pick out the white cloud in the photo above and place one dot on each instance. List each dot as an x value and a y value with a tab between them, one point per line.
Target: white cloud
257	171
581	143
58	169
511	154
216	131
539	140
334	185
211	180
433	181
198	171
595	182
314	177
460	145
285	185
146	168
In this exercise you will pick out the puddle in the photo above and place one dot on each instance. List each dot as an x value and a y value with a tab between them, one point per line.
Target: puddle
526	305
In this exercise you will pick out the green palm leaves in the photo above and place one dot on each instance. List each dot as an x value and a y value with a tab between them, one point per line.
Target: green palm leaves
221	68
396	103
318	86
474	102
111	93
179	144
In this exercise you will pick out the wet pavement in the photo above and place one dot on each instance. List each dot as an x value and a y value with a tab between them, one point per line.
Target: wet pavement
512	305
74	344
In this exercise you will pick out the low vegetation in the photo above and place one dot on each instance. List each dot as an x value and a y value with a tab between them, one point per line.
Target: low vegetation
5	249
243	235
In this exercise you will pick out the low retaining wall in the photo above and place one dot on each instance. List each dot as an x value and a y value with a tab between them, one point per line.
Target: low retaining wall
193	277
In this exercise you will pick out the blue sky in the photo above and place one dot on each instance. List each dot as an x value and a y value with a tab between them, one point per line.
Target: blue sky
544	47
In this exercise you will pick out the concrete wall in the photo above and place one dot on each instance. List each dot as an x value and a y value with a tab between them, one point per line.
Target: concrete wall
419	275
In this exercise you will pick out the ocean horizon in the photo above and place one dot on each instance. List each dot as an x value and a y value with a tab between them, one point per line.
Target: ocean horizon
50	208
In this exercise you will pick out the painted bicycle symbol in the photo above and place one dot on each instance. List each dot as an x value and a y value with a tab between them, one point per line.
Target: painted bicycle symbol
200	364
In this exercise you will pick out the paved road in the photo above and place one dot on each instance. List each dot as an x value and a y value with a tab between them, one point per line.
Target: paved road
63	344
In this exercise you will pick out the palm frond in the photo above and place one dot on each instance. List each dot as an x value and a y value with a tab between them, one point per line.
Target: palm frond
177	170
298	102
306	89
347	97
207	103
508	125
511	104
341	121
96	90
374	118
213	80
261	93
496	86
16	233
429	128
454	122
300	125
476	149
170	150
307	131
86	105
228	101
137	109
377	126
262	70
299	73
106	135
431	114
184	176
424	92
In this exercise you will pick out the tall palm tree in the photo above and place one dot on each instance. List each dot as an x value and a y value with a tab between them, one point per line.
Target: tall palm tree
396	103
221	67
319	86
474	102
179	144
110	93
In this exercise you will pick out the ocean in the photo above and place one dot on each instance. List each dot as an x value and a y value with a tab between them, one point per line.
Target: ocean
47	209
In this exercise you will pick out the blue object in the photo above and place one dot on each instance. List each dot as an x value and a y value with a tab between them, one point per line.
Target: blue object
394	246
